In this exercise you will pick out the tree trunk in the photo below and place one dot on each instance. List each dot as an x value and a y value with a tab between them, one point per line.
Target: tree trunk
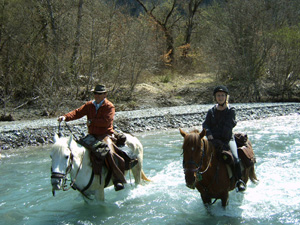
75	55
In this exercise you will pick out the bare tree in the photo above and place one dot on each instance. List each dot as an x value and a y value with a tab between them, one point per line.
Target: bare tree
166	26
192	9
75	54
55	43
237	45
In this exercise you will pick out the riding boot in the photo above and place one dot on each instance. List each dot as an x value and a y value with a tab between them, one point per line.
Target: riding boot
117	173
240	184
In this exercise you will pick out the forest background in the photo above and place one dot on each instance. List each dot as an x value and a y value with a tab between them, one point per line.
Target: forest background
149	53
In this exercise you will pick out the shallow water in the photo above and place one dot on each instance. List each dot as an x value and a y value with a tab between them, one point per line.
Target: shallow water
26	196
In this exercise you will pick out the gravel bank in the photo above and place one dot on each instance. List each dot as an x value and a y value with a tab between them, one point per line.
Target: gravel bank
40	132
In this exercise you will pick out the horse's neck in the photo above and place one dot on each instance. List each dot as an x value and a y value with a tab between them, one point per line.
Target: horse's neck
208	147
81	159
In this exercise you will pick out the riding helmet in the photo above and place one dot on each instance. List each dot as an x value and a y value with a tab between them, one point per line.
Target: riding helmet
221	88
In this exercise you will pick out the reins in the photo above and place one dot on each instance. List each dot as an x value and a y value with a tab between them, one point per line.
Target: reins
67	125
198	167
69	168
68	171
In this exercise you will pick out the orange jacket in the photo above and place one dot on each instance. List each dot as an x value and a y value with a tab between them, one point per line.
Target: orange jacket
101	122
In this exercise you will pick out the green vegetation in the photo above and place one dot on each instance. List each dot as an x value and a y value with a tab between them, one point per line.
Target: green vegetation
53	50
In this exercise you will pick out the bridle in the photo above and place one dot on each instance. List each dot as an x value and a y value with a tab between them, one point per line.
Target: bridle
197	170
63	176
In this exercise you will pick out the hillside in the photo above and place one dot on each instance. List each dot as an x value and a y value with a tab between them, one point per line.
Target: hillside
158	92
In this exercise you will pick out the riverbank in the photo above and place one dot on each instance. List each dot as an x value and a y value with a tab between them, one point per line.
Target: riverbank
18	134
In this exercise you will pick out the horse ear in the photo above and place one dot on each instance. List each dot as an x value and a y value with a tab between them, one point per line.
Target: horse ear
55	138
183	134
70	140
203	133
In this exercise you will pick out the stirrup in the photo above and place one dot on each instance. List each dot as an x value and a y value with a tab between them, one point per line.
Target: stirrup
240	186
119	186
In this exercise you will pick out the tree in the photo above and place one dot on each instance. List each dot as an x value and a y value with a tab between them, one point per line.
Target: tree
191	12
117	48
165	23
74	58
237	45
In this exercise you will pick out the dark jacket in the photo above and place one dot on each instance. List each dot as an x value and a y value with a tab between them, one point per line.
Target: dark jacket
101	122
219	124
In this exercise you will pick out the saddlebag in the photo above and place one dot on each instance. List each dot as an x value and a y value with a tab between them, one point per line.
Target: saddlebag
119	138
245	150
94	145
98	151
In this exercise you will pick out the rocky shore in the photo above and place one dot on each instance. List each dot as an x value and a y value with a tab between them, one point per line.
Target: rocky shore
18	134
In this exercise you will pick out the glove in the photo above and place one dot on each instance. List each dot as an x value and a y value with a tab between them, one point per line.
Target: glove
61	118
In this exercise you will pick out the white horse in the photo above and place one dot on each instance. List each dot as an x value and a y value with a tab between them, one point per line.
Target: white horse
68	157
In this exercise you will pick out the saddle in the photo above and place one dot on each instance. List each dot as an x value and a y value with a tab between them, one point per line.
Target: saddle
245	150
99	149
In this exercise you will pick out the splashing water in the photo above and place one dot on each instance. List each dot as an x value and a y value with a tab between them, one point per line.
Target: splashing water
26	196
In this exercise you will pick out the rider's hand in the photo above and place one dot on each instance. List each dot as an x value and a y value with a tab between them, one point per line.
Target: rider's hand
61	118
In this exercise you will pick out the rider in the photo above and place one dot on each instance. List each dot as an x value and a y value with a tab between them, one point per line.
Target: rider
219	123
100	115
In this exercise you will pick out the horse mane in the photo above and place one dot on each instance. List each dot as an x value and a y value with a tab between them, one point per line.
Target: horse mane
65	142
60	143
192	140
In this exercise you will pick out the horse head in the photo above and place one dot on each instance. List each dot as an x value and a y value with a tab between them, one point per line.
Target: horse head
62	159
193	149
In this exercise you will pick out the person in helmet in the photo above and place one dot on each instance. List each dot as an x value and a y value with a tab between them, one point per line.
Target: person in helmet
219	123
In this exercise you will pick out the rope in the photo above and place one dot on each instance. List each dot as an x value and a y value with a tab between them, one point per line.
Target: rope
202	160
207	164
59	130
67	125
73	181
72	184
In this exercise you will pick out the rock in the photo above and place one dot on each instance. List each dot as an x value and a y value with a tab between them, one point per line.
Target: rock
6	118
45	113
13	135
40	140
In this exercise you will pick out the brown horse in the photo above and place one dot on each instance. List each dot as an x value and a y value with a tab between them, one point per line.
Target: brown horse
205	170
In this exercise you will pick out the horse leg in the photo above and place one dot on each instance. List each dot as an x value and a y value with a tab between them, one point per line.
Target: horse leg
224	199
99	194
136	171
206	199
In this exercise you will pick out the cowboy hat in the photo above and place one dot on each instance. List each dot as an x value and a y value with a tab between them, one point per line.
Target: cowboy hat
99	89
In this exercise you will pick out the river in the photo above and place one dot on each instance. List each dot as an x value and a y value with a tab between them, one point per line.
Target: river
26	196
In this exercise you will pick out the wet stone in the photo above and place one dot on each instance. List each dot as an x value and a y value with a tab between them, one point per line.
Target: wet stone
41	135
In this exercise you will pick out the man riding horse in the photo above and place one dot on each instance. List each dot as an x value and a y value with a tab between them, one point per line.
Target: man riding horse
100	115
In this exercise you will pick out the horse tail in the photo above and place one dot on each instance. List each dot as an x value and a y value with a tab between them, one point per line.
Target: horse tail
252	175
144	177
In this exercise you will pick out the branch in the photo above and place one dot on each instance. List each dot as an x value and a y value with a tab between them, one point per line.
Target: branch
26	102
170	13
